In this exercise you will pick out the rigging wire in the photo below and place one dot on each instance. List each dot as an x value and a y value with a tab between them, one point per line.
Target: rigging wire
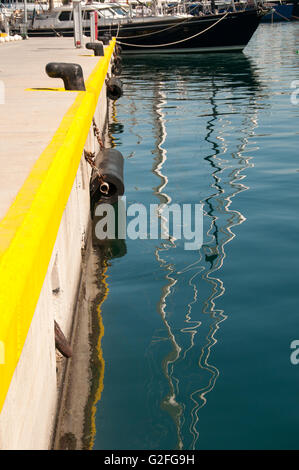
175	42
161	30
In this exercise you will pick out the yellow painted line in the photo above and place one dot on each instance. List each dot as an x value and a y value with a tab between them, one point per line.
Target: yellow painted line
29	229
100	386
51	89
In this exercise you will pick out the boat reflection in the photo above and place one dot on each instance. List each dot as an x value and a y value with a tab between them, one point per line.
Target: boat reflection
109	248
235	69
192	328
192	285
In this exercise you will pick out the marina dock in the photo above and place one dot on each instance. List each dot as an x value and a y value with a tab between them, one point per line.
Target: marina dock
149	229
33	109
44	213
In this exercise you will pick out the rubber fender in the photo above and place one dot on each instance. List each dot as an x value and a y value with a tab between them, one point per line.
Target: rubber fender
114	88
117	60
110	163
116	69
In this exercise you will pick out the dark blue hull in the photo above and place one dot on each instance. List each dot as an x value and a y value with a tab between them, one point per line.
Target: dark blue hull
280	13
210	33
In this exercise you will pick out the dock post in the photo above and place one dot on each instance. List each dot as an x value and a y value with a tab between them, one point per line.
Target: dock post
93	26
77	16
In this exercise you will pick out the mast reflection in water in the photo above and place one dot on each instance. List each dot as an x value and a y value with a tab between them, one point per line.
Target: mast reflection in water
187	130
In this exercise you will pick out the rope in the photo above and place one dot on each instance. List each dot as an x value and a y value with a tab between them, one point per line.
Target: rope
279	14
117	31
89	157
175	42
56	32
155	32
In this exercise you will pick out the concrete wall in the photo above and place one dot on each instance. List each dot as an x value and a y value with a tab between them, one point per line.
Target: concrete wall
28	415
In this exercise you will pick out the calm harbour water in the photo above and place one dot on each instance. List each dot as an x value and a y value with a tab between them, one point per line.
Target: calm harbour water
196	344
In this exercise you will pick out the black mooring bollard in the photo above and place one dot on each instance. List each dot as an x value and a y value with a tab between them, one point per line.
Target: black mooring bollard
97	47
114	88
71	74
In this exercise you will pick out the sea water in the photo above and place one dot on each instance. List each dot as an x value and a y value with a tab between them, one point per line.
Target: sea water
197	343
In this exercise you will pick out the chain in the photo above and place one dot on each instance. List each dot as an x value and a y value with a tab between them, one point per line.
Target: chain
90	158
97	133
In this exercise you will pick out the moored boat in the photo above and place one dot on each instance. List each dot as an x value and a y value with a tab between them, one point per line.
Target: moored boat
279	12
211	32
224	32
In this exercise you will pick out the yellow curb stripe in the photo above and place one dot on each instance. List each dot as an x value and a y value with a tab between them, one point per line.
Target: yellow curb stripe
29	229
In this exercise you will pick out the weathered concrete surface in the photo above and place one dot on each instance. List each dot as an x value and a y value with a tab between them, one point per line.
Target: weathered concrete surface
30	118
75	428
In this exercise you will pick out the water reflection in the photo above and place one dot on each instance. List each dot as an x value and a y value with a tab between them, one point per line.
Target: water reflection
170	403
227	182
110	248
233	70
200	314
104	251
114	127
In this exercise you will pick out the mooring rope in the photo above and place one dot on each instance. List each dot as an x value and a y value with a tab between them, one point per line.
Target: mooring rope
175	42
117	31
279	14
157	32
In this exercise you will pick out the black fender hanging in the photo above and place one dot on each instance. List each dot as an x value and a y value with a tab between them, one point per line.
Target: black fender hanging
114	88
107	189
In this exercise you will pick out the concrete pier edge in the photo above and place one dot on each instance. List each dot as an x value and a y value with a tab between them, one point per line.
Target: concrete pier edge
29	229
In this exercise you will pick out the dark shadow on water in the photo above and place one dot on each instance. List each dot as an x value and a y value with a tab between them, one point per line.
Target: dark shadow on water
237	68
187	397
109	248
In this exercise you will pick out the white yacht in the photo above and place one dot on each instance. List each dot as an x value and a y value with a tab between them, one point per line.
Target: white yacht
60	19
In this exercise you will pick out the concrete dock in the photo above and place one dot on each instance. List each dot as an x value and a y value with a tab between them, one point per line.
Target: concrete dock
29	119
44	223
